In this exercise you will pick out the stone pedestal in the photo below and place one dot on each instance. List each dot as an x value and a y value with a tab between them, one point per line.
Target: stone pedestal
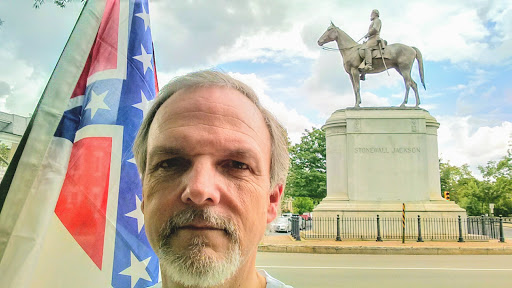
379	158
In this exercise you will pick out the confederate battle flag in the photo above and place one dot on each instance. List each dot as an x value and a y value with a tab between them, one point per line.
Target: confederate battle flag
70	200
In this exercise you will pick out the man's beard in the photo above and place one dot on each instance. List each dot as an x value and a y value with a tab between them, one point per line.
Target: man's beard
192	266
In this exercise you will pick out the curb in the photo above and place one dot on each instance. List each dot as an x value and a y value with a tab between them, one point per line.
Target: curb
383	250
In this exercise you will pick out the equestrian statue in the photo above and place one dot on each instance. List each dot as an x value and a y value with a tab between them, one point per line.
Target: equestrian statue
375	56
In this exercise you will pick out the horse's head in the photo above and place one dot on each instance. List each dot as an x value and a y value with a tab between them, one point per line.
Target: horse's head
329	35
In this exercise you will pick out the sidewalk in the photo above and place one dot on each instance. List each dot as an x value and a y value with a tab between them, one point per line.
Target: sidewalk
286	244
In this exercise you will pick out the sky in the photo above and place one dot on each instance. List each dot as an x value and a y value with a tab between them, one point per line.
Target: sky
272	46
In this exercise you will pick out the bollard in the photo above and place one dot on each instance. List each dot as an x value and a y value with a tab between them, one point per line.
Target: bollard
484	232
292	220
297	228
294	227
420	239
502	238
338	234
460	231
379	238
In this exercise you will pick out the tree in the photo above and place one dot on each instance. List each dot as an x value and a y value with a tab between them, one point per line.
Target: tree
60	3
302	204
452	177
307	177
497	184
38	3
475	195
4	154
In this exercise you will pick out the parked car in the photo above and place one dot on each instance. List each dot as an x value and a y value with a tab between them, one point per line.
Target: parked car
282	224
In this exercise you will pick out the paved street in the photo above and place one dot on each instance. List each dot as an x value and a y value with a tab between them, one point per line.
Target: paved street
507	231
331	270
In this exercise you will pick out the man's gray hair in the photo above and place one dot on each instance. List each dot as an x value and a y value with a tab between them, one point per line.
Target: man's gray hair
209	78
376	12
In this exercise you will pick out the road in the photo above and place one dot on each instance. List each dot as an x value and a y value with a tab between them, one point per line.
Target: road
507	231
328	270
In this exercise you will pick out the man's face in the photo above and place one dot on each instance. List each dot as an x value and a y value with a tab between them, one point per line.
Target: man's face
373	15
207	178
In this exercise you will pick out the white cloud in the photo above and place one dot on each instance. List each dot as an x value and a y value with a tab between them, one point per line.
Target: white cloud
192	32
290	118
32	41
463	141
275	45
25	84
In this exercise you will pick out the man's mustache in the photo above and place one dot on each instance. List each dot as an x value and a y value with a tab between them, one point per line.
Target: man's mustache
191	216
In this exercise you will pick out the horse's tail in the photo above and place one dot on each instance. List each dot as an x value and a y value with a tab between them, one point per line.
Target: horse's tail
419	58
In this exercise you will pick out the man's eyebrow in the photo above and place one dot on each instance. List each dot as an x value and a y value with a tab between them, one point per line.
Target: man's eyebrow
165	150
241	153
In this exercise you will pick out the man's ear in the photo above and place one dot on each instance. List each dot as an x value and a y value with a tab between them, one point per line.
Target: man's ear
273	205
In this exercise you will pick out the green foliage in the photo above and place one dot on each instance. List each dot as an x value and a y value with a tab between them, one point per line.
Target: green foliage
475	195
4	153
60	3
307	177
284	204
452	177
302	204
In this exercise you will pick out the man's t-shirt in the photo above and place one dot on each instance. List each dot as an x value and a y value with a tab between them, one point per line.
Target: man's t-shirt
271	281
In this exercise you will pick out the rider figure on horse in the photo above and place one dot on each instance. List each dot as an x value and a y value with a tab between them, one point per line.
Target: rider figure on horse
372	43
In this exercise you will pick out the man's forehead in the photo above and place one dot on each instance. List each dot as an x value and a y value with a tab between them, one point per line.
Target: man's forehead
218	107
211	98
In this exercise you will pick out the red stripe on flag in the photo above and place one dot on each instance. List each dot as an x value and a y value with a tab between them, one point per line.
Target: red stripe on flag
82	202
82	81
104	52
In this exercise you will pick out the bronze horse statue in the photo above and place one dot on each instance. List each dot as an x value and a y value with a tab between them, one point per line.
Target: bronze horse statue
398	56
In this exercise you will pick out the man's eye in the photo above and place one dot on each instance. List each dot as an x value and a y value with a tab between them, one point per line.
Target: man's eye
238	165
173	163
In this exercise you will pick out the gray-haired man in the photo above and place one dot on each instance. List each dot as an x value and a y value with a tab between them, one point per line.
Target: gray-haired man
213	163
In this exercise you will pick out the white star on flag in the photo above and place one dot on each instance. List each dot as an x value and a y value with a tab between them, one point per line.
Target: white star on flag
137	213
144	104
145	58
97	102
144	16
136	270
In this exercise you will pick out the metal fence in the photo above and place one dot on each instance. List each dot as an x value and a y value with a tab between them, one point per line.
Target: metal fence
391	228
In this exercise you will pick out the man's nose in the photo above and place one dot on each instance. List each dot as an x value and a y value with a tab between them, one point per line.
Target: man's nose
202	188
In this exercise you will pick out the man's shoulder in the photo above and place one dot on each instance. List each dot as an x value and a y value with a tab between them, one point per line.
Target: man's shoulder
273	282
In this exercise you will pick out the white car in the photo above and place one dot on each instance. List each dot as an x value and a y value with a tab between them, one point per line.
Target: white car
282	224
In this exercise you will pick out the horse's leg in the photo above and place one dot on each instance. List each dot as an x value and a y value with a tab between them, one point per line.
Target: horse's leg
354	77
414	87
406	74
